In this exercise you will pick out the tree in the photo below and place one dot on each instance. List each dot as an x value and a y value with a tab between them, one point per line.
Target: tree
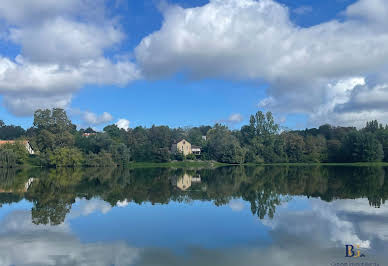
55	120
222	146
294	147
10	132
120	154
52	129
316	149
65	157
259	139
372	126
7	158
362	147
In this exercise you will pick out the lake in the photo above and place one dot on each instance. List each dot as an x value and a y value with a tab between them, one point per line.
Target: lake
273	215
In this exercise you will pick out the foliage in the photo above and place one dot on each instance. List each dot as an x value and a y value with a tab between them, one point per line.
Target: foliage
65	157
362	147
222	146
10	132
7	158
57	142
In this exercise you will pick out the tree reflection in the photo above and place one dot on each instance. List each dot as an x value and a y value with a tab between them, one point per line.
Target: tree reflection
53	192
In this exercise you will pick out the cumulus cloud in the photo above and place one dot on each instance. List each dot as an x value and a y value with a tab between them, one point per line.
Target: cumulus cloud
91	118
123	124
371	10
232	119
49	245
62	49
256	40
340	222
236	205
86	207
235	118
122	204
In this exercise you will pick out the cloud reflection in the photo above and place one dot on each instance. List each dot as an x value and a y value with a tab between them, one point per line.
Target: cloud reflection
312	236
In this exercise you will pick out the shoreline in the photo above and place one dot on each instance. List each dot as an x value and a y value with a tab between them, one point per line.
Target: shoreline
212	164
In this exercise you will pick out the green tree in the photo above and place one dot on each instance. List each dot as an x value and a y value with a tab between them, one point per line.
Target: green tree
362	147
65	157
10	132
222	146
7	158
294	147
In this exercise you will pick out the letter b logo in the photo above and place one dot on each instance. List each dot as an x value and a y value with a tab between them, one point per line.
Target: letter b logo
349	251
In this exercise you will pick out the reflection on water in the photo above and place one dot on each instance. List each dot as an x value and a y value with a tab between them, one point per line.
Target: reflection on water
161	216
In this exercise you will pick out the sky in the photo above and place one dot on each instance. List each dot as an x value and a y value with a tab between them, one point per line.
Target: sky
193	62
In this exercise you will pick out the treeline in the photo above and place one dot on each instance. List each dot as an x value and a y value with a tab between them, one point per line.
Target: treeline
57	142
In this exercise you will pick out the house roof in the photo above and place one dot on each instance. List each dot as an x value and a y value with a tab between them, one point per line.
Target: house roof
195	147
176	142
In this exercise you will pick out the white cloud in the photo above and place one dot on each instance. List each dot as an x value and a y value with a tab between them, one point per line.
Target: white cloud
236	205
122	204
372	10
232	119
62	49
86	207
235	118
123	124
65	41
91	118
52	245
326	222
256	40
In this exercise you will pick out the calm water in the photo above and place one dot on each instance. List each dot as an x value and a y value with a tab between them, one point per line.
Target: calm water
225	216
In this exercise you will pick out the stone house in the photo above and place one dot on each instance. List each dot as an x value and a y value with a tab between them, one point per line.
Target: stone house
182	146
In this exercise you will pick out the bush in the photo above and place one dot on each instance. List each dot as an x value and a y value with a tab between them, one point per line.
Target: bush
190	157
179	156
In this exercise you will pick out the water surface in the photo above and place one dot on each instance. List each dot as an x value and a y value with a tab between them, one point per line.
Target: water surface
224	216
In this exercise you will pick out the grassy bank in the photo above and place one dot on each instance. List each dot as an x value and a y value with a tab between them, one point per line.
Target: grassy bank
183	164
203	164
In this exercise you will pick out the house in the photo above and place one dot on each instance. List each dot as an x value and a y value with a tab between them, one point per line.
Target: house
196	150
184	182
182	146
186	148
25	143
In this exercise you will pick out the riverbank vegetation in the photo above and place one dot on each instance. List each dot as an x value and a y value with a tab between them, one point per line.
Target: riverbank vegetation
58	143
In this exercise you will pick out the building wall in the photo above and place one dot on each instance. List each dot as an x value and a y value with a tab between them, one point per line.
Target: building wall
184	182
184	147
29	148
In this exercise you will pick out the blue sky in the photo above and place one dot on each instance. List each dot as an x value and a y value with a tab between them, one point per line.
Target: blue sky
150	62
